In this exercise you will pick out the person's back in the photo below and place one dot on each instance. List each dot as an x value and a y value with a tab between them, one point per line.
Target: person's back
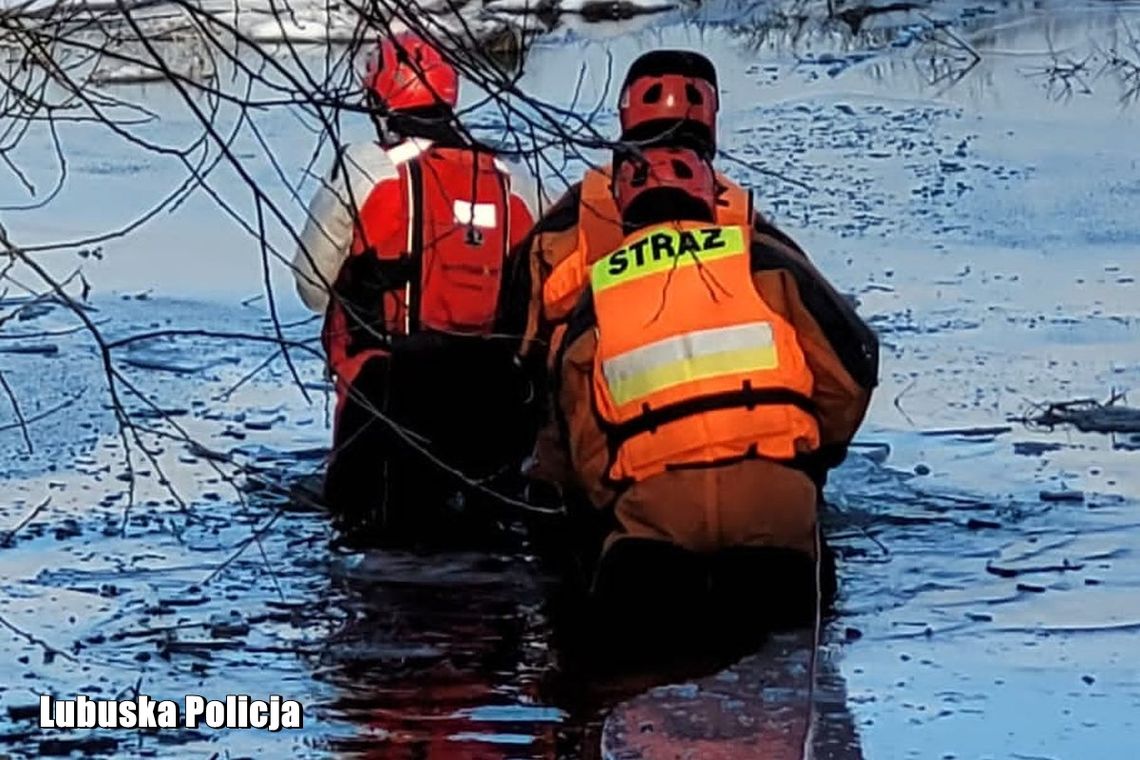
407	250
708	379
669	98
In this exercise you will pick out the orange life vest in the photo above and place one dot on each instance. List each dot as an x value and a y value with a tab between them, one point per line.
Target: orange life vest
600	230
692	365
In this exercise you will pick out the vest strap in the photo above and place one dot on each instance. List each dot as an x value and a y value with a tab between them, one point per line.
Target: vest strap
747	397
414	283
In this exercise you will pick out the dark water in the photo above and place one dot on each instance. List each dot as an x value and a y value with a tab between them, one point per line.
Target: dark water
984	223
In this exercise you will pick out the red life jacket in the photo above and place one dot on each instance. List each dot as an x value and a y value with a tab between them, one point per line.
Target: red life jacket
441	230
451	243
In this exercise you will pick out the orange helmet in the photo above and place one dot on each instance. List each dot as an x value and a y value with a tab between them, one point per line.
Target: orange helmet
406	72
681	170
669	97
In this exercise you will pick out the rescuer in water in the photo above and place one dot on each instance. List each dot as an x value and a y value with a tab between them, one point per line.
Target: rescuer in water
708	378
669	98
407	249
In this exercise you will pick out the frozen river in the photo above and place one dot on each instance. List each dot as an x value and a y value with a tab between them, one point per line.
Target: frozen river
983	214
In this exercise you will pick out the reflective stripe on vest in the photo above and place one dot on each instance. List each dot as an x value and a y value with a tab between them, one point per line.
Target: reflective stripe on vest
692	365
691	356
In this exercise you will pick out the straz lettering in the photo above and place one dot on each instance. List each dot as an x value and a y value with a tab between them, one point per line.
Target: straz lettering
664	245
712	238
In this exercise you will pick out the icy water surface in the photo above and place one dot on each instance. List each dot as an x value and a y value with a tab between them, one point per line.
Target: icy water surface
983	218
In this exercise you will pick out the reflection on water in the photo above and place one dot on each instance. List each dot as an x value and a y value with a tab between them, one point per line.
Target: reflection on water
452	656
771	704
438	657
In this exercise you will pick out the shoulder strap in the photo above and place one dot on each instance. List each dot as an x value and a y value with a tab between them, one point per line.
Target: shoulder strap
594	183
415	246
505	194
511	271
746	397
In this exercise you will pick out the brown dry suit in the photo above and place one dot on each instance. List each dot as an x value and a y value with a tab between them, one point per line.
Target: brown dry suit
749	499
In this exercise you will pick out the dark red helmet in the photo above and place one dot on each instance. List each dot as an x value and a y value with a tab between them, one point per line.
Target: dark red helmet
680	171
407	72
670	98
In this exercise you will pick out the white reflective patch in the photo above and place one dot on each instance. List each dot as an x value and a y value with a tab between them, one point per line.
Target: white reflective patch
690	357
477	214
687	347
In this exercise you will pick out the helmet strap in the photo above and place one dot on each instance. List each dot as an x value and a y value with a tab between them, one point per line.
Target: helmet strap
378	112
384	132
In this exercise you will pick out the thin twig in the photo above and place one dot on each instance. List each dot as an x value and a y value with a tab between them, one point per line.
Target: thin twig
16	410
11	534
32	639
898	399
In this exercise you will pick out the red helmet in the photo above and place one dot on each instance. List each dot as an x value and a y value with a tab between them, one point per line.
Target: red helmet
670	96
677	169
406	72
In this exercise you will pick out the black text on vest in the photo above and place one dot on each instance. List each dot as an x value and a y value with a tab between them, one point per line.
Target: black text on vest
661	245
